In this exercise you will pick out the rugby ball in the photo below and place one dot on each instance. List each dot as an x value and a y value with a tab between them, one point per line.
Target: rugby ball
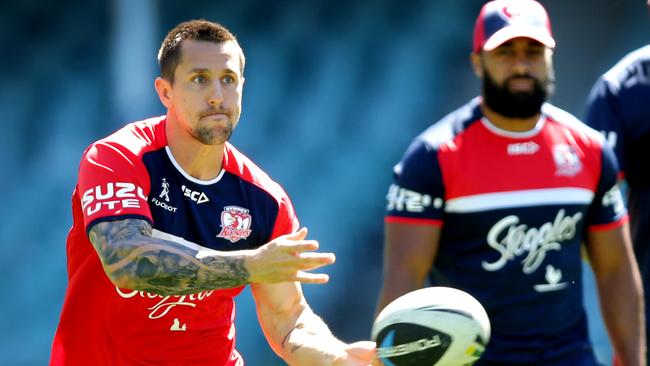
439	326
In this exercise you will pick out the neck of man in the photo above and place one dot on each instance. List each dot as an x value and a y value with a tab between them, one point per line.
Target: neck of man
199	160
507	123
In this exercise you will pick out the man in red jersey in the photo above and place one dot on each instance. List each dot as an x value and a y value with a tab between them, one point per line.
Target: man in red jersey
171	221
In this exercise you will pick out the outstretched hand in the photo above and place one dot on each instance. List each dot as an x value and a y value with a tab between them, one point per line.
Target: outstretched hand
287	258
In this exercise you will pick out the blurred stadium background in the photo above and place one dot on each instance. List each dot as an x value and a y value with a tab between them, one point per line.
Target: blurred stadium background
335	91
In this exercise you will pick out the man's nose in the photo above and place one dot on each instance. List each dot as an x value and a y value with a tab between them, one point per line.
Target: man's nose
216	95
521	65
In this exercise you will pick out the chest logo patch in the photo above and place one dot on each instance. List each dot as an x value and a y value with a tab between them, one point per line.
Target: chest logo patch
163	197
515	241
523	148
235	223
164	193
567	160
196	196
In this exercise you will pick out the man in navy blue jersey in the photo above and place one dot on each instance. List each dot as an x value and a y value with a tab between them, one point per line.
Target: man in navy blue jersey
619	107
497	197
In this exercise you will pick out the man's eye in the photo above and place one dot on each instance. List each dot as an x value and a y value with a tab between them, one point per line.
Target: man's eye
199	79
228	79
504	52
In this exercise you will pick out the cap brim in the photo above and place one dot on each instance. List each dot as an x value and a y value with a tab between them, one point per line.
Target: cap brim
505	34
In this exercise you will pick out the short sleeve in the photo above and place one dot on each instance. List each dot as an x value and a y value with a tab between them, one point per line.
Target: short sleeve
286	222
603	114
608	207
113	184
416	195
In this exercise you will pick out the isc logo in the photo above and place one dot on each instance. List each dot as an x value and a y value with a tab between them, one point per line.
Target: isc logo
113	196
196	196
523	148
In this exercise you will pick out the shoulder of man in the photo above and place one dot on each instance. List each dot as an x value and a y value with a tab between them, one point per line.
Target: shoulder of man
571	122
239	164
135	138
452	124
628	67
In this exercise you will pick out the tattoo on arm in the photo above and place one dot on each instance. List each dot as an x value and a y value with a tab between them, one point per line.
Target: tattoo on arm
134	259
313	333
295	346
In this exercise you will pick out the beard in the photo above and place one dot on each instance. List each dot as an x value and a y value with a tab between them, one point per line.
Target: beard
213	135
500	99
209	131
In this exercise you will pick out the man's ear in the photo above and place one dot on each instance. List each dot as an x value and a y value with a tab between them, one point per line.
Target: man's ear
164	89
477	65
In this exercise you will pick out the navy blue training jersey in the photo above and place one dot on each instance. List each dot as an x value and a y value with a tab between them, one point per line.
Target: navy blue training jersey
514	208
619	107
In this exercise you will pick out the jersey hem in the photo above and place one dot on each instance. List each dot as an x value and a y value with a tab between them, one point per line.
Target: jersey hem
611	225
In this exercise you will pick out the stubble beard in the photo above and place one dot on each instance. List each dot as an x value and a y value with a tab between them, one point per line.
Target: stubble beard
213	135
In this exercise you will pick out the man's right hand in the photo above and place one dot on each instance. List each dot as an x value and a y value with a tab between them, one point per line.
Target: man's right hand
286	259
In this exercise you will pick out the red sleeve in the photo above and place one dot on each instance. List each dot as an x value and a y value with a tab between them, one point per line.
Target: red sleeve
286	222
113	183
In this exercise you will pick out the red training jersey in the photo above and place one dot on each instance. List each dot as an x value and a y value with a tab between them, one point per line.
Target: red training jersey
132	174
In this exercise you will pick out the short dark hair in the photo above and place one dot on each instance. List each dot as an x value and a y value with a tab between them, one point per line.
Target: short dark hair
169	54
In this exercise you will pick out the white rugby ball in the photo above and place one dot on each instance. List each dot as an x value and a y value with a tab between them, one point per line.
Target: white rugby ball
439	326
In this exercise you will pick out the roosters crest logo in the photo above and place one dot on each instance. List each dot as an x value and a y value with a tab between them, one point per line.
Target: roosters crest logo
235	223
567	160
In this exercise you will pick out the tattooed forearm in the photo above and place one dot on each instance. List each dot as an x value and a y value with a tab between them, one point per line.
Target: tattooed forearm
309	332
133	259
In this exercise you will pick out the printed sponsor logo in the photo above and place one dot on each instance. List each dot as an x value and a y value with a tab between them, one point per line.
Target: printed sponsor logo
165	303
235	223
611	137
513	240
553	277
614	198
177	327
567	161
196	196
164	193
164	197
402	199
523	148
112	196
